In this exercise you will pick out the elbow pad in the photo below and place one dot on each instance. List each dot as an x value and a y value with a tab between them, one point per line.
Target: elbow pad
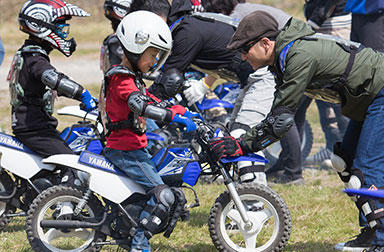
62	84
269	130
138	103
168	84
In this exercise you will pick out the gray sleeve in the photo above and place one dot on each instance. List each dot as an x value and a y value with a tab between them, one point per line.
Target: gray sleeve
243	9
62	84
139	104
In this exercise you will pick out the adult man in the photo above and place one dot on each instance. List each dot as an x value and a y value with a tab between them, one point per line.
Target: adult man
327	68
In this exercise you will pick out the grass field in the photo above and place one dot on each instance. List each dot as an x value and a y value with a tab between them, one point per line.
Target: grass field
321	214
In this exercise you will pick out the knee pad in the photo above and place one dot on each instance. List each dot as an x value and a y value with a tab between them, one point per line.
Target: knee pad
352	177
370	211
158	214
253	173
342	163
176	211
238	129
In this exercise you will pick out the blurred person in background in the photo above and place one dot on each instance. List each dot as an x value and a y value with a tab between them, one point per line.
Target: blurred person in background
255	99
2	52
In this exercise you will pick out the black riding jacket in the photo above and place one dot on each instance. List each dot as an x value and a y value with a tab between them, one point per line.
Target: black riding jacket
202	43
31	117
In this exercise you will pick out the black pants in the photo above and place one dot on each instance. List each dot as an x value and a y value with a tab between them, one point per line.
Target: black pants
46	143
368	30
290	155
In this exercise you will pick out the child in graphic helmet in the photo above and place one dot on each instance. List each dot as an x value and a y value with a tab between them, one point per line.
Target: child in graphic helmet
33	80
146	42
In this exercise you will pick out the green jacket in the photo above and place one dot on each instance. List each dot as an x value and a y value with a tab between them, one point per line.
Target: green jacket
314	67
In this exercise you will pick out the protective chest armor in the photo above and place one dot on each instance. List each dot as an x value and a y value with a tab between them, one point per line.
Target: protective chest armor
107	57
134	122
331	92
220	73
16	90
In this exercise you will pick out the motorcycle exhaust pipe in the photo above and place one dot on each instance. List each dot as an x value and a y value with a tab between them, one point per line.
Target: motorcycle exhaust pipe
4	196
71	224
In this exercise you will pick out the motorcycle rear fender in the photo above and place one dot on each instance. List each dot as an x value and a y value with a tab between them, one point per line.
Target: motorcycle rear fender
77	112
111	186
23	164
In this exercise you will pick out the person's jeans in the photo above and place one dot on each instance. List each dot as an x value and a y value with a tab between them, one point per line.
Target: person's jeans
151	126
138	166
366	141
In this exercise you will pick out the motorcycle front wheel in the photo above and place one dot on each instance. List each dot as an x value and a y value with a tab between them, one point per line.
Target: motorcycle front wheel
56	203
268	213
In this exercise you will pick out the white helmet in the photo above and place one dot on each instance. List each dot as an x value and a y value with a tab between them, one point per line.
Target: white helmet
142	29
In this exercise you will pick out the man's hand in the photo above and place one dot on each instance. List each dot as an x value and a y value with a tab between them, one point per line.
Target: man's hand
225	147
196	91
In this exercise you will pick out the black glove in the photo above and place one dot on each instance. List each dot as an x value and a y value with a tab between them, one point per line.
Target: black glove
226	147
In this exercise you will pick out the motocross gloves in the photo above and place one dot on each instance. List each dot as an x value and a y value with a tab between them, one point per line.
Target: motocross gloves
88	101
188	123
227	146
196	91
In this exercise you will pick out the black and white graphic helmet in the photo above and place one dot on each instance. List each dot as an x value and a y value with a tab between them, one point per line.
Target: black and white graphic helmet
115	10
46	19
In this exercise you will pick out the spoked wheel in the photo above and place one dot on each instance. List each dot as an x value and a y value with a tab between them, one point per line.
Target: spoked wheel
6	186
268	213
56	203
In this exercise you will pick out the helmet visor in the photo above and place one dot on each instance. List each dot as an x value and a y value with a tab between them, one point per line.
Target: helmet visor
62	30
160	60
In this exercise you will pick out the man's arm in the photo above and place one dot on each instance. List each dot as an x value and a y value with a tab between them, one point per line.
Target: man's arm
300	69
187	44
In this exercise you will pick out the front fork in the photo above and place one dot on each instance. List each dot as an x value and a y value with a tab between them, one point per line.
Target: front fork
236	198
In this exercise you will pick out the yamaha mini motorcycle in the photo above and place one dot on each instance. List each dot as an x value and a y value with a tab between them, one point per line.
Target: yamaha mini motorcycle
23	175
245	217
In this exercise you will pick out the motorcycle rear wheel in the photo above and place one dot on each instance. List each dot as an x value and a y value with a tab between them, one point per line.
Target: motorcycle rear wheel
47	207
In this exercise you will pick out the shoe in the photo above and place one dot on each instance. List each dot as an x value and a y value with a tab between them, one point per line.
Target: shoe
374	249
322	159
288	180
360	243
272	173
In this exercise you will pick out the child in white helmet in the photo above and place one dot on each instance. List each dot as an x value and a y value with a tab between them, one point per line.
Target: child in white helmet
146	42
